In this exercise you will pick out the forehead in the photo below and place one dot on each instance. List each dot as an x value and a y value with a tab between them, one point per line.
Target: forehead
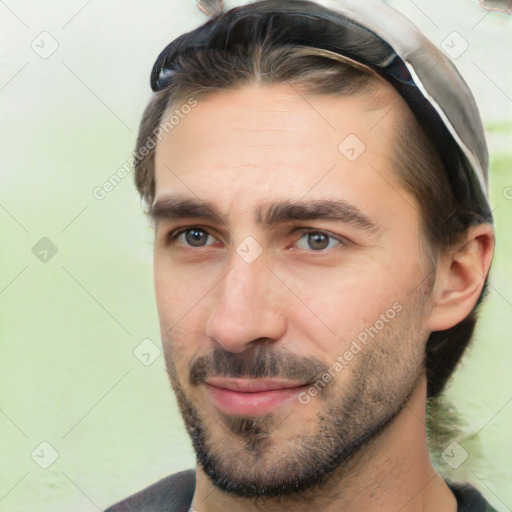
256	142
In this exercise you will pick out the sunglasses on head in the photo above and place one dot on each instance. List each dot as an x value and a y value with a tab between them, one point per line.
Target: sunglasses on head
372	34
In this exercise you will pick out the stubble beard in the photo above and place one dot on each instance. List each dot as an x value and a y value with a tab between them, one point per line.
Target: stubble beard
241	457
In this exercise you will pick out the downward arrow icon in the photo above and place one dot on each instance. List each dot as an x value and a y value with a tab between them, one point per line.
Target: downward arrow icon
146	352
44	455
450	454
249	249
40	45
454	45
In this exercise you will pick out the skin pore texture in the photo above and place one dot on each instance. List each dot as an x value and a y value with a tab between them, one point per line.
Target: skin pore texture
242	302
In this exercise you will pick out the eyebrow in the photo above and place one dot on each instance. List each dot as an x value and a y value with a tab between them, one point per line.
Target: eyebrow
176	207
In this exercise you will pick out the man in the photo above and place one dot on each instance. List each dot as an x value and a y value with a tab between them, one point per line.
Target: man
318	182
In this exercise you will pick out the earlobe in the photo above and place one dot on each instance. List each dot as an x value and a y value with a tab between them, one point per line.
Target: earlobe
460	278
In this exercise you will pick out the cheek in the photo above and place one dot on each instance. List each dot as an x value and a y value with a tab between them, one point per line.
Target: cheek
163	286
176	290
181	304
175	324
352	300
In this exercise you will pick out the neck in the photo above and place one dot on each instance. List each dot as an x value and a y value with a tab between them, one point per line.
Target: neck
394	472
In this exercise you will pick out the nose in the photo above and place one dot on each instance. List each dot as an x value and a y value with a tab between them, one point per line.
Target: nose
247	306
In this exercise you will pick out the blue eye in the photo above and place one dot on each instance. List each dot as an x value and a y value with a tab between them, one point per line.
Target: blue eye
319	241
311	240
194	237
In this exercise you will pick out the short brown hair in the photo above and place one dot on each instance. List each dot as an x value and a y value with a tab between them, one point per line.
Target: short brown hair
315	71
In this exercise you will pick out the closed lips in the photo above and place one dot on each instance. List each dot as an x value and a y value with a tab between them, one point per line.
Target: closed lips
244	385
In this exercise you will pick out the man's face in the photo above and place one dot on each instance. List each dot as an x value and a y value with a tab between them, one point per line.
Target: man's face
258	306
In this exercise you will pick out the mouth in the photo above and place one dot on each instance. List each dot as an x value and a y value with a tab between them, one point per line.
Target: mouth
251	397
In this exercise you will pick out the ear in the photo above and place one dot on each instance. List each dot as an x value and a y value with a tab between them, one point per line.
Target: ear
460	277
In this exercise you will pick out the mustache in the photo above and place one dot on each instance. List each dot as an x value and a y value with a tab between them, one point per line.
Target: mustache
256	364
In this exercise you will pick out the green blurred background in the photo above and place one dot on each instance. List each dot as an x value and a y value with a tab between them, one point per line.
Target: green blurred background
76	292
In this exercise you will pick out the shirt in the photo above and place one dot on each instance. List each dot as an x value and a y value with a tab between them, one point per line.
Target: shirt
175	492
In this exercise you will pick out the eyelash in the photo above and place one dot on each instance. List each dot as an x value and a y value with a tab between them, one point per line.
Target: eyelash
173	235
